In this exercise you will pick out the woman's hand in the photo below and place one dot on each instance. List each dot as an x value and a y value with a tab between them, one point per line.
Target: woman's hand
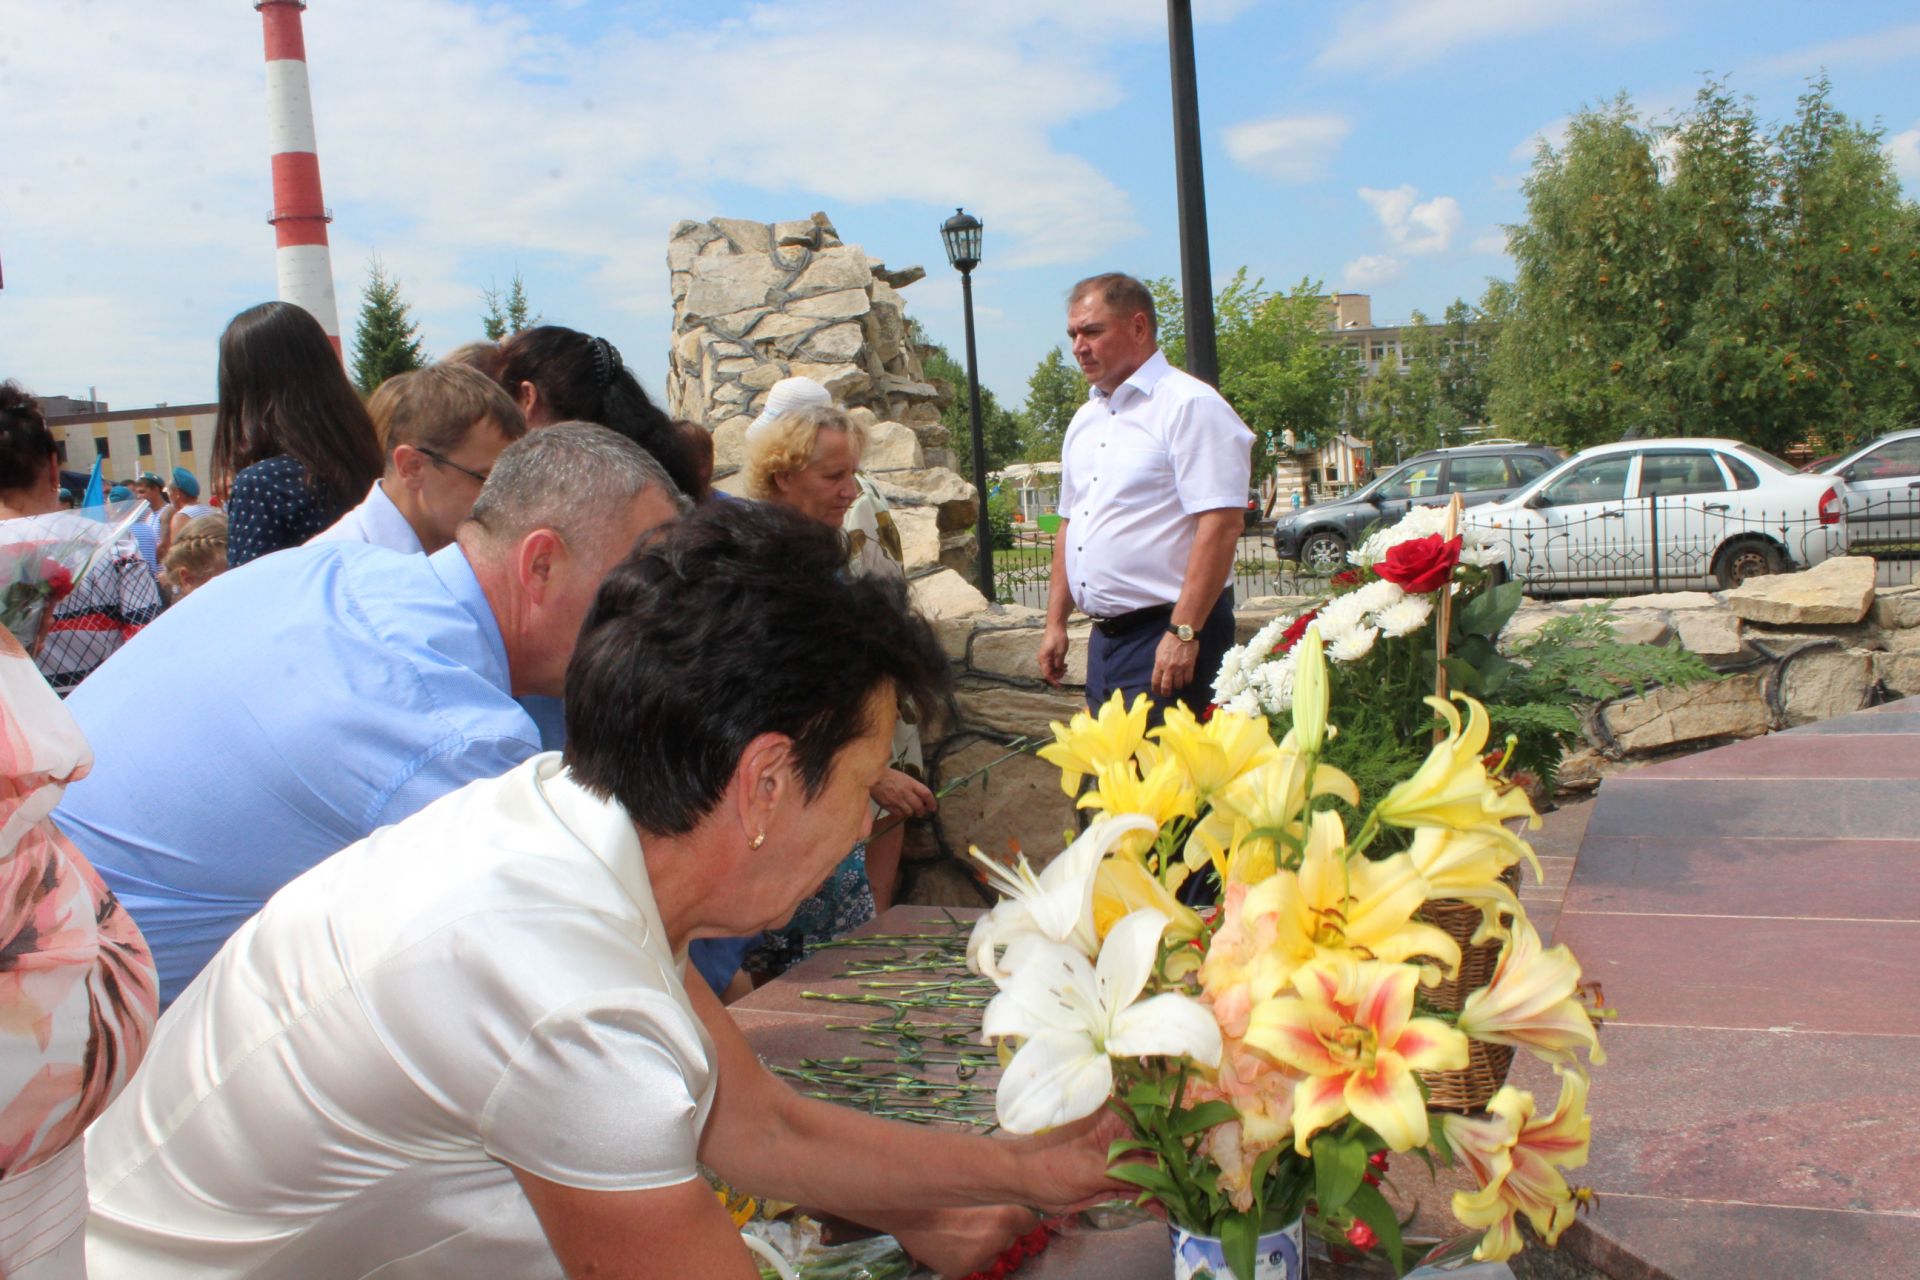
898	792
958	1242
1066	1169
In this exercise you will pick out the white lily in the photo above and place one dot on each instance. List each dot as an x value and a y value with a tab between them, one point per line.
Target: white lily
1057	903
1074	1018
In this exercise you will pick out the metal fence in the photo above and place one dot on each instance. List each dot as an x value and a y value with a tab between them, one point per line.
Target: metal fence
1694	542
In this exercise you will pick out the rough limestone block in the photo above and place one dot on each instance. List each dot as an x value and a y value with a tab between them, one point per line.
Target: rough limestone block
956	634
762	376
725	285
936	486
840	380
1585	769
1669	601
1824	684
775	324
1016	808
1904	640
1008	652
842	304
1639	628
945	595
1897	608
730	444
899	279
688	239
1711	634
861	416
734	365
800	233
834	344
1001	708
1777	641
892	447
920	542
1836	591
1735	707
751	237
1899	672
844	267
1526	620
686	348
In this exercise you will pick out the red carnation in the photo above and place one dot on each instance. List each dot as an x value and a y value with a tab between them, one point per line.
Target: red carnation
59	582
1420	565
1346	578
1296	629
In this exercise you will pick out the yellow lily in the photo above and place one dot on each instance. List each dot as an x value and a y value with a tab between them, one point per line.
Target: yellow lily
1310	693
1240	833
1350	1027
1086	743
1531	1002
1517	1160
1122	886
1212	754
1467	865
1451	789
1333	907
1161	795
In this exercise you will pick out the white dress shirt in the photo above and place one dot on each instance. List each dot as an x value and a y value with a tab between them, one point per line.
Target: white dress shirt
376	520
1137	469
340	1093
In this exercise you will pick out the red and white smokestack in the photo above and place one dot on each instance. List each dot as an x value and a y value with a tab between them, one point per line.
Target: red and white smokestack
299	216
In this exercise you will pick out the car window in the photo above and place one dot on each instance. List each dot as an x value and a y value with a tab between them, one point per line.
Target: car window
1766	459
1527	466
1473	475
1890	461
1415	480
1596	480
1666	474
1744	476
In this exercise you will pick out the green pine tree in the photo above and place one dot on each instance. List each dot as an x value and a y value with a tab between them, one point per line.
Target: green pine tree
1055	392
387	341
504	317
999	428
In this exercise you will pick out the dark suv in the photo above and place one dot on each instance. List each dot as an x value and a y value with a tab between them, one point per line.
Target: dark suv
1317	537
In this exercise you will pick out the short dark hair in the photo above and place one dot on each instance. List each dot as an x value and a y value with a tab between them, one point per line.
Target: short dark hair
735	621
1122	293
583	378
26	445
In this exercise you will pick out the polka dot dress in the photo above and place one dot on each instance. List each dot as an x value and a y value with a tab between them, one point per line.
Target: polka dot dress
272	506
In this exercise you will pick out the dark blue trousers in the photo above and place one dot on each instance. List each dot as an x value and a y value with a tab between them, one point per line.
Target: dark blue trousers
1126	662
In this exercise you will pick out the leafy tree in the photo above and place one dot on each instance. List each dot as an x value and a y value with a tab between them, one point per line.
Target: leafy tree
387	341
1055	391
1759	286
1403	411
999	428
1278	369
508	316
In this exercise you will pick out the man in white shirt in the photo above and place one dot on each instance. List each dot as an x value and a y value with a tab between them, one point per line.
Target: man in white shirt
441	428
468	1045
1153	489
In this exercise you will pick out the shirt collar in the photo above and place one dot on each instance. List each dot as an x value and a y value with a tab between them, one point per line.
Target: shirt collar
1143	380
450	565
604	829
385	525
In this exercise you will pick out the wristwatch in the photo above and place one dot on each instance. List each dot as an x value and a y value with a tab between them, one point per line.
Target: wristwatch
1183	633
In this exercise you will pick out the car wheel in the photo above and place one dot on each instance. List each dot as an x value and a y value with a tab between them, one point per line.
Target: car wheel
1323	552
1745	558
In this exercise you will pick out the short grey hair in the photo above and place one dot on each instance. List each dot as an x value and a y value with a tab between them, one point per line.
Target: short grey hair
575	478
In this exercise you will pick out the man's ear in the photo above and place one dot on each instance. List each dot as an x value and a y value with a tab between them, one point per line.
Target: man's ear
537	560
410	465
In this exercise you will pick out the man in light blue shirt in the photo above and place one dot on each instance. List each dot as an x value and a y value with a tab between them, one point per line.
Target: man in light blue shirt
339	688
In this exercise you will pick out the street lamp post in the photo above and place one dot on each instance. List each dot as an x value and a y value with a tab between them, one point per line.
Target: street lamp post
1196	271
962	235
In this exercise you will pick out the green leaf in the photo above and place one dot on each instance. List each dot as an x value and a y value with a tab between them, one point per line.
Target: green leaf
1154	1181
1437	1139
1261	1168
1338	1165
1240	1241
1126	1146
1372	1208
1462	676
1488	611
1207	1115
1148	1093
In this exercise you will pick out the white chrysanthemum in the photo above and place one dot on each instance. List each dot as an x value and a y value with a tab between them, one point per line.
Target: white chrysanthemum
1405	616
1377	595
1353	646
1340	616
1276	685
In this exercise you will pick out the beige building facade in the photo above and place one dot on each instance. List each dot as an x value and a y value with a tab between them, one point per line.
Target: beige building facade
135	440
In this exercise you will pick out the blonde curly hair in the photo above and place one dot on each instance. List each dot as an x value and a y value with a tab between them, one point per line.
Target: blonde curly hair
786	445
197	554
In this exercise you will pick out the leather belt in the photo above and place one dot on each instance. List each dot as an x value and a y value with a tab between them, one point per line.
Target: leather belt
1127	623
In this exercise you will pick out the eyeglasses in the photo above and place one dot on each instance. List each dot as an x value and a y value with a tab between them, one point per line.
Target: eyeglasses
445	461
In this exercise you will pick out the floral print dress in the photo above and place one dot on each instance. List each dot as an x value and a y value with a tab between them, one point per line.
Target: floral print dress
78	995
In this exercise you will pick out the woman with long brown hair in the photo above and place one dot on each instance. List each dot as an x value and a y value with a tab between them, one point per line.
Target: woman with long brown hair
293	446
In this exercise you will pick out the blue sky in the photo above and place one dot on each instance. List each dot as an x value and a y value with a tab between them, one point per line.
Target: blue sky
1375	146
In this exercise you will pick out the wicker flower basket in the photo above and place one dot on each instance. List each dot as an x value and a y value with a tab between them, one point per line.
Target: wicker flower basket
1486	1070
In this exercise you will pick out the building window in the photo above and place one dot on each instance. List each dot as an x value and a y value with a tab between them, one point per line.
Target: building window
186	441
60	448
100	446
143	444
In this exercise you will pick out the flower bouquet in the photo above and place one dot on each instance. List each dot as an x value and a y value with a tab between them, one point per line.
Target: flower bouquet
42	559
1266	1050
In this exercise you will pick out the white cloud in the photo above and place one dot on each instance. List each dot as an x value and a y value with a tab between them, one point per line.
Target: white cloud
1371	269
1392	36
1904	150
1895	44
1490	242
1415	226
461	140
1289	148
1553	133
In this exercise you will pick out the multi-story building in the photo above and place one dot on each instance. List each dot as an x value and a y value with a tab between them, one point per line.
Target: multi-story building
132	440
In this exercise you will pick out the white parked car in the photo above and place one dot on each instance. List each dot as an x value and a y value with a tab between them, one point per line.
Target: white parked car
1660	515
1880	483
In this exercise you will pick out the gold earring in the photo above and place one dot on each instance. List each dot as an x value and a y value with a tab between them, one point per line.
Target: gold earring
757	841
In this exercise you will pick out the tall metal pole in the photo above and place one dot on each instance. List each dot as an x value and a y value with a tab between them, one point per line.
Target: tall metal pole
1196	270
983	527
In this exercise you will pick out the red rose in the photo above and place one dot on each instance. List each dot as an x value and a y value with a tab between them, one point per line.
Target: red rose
1291	636
1346	578
59	582
1420	565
